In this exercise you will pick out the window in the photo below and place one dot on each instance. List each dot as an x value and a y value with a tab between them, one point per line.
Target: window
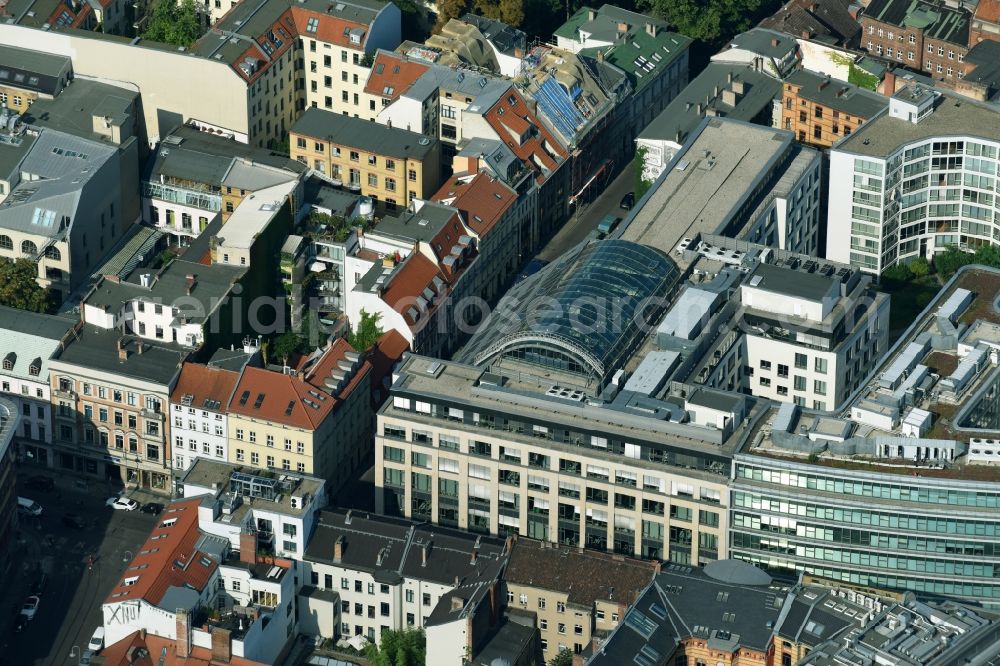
426	599
801	361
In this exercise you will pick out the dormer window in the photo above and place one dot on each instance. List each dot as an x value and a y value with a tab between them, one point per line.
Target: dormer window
35	368
9	360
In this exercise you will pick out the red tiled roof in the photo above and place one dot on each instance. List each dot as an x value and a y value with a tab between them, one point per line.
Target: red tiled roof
447	236
415	275
117	654
203	382
167	559
392	71
289	399
482	200
511	121
331	29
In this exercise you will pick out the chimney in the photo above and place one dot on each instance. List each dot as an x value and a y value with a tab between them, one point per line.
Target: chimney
814	7
457	604
715	91
140	346
738	87
699	109
622	27
600	56
190	282
475	556
425	551
222	645
840	93
122	350
248	548
774	42
888	85
591	14
651	29
824	84
183	633
338	549
729	77
729	98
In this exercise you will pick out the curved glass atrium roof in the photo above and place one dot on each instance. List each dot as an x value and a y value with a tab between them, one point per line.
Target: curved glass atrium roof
584	314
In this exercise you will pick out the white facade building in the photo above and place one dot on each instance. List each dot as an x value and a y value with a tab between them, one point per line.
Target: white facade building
914	180
198	414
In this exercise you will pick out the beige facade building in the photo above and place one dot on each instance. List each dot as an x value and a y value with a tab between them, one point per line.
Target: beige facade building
391	165
462	447
29	75
315	419
576	596
109	396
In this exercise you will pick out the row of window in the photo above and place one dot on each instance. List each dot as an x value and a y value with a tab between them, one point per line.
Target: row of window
269	463
300	447
29	248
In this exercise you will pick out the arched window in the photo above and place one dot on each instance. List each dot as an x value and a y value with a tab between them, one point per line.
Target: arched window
27	247
6	243
52	252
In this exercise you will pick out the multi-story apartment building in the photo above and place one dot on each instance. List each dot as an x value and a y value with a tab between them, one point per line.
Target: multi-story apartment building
9	416
109	396
199	177
498	219
30	75
314	418
180	572
387	574
654	60
255	513
66	187
821	111
928	35
198	414
734	179
390	165
985	23
28	341
914	180
770	51
529	439
248	85
576	596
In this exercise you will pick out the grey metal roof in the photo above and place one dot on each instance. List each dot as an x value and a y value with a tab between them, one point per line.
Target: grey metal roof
986	57
682	114
422	225
73	110
12	151
363	134
33	70
505	39
762	42
28	337
321	194
838	95
97	349
59	166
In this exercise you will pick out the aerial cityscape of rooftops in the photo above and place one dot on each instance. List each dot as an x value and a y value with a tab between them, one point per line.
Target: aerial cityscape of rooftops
518	333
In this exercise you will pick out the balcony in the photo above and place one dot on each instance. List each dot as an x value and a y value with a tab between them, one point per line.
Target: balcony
185	196
153	415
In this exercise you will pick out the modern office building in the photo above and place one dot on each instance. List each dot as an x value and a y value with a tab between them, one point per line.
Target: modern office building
897	490
734	179
915	179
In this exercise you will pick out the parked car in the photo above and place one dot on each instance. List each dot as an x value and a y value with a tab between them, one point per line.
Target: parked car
43	483
74	521
96	641
28	507
607	224
627	201
153	508
85	658
30	607
121	503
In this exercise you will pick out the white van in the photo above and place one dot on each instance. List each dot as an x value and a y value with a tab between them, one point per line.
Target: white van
28	507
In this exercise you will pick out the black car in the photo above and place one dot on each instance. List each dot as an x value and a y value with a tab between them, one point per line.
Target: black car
42	483
152	507
627	201
74	521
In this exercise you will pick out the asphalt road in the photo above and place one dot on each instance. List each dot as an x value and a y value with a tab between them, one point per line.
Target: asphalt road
70	607
586	218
